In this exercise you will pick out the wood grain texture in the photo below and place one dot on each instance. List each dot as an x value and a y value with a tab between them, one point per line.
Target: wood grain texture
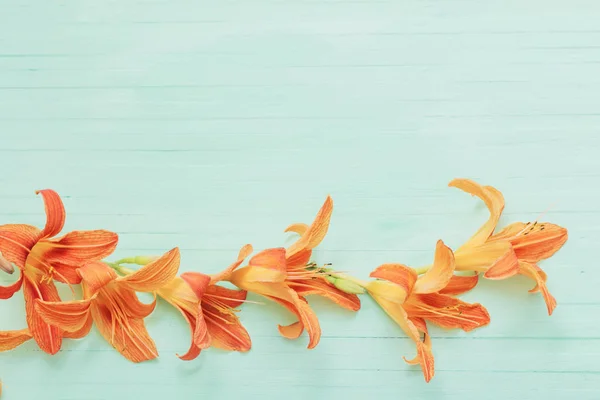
209	125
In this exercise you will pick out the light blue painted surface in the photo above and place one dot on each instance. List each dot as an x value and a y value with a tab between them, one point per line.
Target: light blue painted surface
211	124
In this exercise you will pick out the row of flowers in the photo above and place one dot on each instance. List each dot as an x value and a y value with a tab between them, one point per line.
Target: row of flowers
412	297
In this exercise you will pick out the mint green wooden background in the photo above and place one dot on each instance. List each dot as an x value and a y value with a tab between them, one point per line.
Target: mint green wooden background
208	125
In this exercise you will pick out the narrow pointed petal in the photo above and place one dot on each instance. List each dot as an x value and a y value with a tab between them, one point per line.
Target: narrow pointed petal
11	339
291	331
16	241
533	242
316	232
129	337
201	337
154	275
55	213
48	337
69	316
497	259
448	311
226	330
6	292
533	272
74	249
298	228
321	287
494	201
424	358
194	351
95	275
440	274
225	274
460	284
197	281
231	298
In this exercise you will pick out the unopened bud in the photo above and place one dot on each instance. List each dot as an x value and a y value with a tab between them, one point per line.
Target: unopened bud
6	265
347	286
143	260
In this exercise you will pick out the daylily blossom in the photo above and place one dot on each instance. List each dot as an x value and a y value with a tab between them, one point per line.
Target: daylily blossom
410	300
111	303
286	277
516	249
209	309
43	258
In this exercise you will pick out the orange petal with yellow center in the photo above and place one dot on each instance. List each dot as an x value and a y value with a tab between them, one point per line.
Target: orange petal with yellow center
55	213
74	249
497	259
127	335
225	274
321	287
534	272
16	241
460	284
440	274
448	311
226	330
154	275
268	266
494	201
11	339
400	282
316	231
533	242
48	337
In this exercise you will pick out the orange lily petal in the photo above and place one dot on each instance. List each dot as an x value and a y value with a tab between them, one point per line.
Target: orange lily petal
460	284
316	232
497	259
231	298
11	339
197	281
424	356
129	336
400	282
321	287
85	329
306	319
226	330
70	316
440	274
448	311
55	213
494	201
48	337
95	275
533	242
74	249
6	292
201	337
193	351
298	228
300	259
154	275
16	241
534	272
131	304
224	275
268	266
291	331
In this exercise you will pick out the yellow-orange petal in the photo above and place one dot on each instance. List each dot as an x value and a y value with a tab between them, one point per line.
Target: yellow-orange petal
74	249
6	292
193	351
403	279
298	228
231	298
268	266
440	274
70	316
494	201
129	337
534	242
95	275
460	284
424	358
321	287
534	272
291	331
154	275
55	213
226	330
497	259
316	231
298	260
201	336
448	311
245	251
11	339
197	281
16	241
48	337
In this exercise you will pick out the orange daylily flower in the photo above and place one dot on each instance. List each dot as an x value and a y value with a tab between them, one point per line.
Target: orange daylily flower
286	277
516	249
42	258
209	309
410	300
111	303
